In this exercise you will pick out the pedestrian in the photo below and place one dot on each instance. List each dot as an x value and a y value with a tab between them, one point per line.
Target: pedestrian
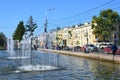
114	49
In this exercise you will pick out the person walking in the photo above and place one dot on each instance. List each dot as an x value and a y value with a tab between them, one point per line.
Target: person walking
114	49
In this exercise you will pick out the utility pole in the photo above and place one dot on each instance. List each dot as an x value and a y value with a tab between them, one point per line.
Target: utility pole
46	21
45	26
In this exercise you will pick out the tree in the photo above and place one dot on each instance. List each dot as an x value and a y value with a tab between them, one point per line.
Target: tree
118	30
2	39
103	24
31	26
19	32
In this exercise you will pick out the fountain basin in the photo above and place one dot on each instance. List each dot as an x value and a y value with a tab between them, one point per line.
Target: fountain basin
28	68
22	57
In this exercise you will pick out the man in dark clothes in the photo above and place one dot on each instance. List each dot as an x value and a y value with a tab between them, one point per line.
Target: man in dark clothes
114	49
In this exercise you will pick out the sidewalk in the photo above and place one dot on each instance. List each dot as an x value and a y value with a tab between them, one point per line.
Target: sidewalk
96	56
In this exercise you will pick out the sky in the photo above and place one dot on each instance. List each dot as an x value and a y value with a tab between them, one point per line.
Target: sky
59	13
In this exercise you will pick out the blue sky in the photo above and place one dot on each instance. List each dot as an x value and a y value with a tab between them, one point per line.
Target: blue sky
65	13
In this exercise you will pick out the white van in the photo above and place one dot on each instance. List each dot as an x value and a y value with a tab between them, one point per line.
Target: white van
101	45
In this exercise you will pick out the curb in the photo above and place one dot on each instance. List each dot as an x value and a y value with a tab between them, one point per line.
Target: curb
95	56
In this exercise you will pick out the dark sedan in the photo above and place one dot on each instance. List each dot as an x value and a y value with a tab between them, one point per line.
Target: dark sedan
77	48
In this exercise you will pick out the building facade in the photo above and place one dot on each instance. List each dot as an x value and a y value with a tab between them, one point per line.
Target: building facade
79	35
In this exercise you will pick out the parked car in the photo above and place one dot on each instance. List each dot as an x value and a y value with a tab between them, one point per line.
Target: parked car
109	50
58	47
66	48
77	48
104	45
89	48
101	45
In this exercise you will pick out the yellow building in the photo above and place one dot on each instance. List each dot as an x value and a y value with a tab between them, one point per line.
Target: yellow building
59	37
65	37
86	36
78	35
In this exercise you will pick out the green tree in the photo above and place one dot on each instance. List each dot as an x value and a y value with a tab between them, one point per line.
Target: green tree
2	39
118	30
19	32
103	24
31	26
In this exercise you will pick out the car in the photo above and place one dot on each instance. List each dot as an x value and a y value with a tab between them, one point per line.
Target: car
66	48
109	50
77	48
89	48
104	45
58	47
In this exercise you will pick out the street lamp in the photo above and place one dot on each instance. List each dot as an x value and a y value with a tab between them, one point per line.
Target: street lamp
45	22
45	26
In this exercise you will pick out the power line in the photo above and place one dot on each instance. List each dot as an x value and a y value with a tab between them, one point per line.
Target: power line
4	27
112	4
87	14
87	10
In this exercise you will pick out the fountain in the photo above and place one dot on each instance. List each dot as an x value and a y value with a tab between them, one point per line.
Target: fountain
10	46
31	63
46	40
15	53
37	65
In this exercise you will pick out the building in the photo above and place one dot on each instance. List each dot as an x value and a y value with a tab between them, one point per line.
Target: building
79	35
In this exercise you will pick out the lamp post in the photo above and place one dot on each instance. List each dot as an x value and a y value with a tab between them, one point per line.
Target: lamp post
45	25
46	22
